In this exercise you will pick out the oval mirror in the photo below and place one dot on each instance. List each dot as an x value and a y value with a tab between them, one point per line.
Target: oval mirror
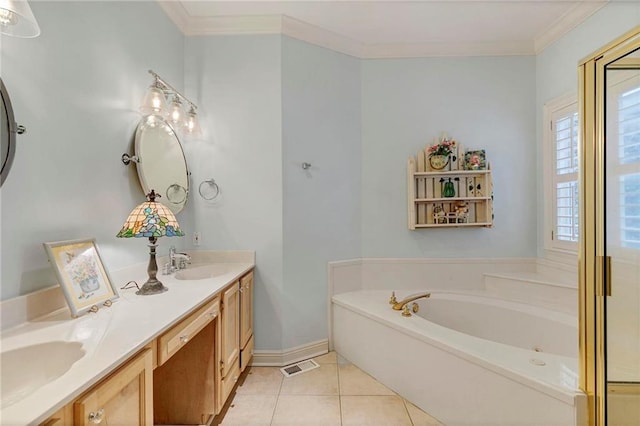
161	162
8	129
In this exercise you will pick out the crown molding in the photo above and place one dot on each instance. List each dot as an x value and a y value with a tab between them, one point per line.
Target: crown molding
568	21
176	12
320	37
295	28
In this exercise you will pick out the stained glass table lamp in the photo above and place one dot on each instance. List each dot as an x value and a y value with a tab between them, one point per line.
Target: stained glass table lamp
152	220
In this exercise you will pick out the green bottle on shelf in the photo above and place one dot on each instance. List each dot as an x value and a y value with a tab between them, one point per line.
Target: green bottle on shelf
448	191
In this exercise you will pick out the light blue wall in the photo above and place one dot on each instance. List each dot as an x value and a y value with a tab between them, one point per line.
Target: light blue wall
321	221
557	70
483	102
77	88
267	104
238	82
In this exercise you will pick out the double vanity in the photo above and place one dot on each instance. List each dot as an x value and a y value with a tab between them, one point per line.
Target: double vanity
169	358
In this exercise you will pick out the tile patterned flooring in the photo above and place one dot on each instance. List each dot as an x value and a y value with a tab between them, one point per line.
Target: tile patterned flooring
336	393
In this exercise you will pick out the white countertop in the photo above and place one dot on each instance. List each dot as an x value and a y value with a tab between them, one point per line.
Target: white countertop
112	335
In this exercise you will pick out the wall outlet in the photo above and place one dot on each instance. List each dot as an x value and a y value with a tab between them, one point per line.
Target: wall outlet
196	239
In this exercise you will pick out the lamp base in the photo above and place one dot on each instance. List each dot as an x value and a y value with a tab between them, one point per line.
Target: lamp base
152	286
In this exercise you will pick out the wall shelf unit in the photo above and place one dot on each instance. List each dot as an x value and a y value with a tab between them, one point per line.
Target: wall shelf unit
448	198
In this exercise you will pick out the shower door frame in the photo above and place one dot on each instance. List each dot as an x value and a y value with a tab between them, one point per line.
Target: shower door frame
593	266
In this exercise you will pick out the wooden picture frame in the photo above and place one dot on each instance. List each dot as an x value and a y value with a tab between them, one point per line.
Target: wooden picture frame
475	160
84	280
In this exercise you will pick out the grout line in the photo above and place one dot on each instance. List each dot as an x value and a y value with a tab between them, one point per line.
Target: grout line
273	415
339	389
404	402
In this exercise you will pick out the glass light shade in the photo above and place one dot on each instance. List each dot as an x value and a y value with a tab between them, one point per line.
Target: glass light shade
150	219
17	20
176	113
192	125
154	101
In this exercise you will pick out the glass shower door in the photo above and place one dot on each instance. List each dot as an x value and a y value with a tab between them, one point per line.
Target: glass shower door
622	239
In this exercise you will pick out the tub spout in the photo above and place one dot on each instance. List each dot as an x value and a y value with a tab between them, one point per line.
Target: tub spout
399	305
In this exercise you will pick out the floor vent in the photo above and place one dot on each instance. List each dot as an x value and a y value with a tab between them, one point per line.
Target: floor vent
299	368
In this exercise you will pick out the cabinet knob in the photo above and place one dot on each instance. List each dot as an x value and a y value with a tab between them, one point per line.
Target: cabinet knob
184	339
213	314
96	417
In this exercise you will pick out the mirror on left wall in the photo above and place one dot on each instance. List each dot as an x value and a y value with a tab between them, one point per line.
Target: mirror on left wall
161	162
8	131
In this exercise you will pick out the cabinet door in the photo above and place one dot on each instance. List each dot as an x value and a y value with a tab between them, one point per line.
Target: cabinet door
246	309
62	417
230	328
124	398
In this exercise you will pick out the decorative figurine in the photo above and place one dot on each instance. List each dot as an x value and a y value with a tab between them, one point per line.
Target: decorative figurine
439	215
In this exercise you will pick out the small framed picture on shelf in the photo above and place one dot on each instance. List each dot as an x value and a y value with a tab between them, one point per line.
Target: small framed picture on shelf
475	160
79	269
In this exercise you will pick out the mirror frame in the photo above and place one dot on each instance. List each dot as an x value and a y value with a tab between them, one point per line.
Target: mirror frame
8	134
140	164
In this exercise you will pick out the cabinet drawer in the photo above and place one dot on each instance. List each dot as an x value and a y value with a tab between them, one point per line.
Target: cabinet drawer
123	398
171	341
229	381
246	354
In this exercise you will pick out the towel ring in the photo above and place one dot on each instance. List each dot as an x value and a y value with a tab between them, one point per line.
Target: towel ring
176	189
213	187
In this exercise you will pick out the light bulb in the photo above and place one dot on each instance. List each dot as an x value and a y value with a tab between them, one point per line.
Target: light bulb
192	126
154	101
7	17
176	113
17	20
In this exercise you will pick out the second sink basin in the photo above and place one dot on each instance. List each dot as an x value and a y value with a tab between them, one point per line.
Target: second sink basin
28	368
202	272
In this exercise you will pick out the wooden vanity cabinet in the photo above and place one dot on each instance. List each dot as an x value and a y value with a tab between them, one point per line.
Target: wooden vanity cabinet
62	417
184	376
246	320
229	341
123	398
184	384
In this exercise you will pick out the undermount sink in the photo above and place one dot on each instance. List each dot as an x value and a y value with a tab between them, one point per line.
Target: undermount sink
28	368
202	272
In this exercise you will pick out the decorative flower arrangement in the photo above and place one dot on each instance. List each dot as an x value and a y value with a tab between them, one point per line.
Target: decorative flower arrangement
81	267
444	147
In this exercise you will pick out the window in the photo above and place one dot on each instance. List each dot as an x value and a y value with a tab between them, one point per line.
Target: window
623	163
561	174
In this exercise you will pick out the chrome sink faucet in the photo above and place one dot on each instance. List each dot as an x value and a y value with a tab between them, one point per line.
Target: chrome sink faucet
177	260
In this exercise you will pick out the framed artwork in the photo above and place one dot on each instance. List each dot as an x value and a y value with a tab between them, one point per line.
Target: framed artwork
79	269
475	160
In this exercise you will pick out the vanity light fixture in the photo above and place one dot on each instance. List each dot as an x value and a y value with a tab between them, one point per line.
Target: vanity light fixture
17	20
152	220
155	103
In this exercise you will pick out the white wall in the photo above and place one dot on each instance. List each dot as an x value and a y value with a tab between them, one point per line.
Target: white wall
483	102
77	88
238	82
557	75
321	221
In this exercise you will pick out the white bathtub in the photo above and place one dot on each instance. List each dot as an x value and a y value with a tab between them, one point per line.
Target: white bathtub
473	360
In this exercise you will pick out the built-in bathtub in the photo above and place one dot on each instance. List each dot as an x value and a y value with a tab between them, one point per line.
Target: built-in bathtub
466	358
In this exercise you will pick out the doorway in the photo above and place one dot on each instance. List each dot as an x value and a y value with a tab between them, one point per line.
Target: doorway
610	249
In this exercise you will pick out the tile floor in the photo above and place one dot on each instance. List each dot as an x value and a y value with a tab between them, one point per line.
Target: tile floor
336	393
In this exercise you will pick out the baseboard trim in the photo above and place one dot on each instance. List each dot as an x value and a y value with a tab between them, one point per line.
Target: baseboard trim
289	356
